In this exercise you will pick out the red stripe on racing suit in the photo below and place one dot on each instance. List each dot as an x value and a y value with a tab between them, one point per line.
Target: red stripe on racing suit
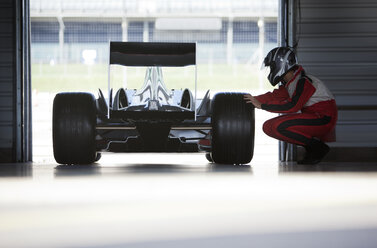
309	96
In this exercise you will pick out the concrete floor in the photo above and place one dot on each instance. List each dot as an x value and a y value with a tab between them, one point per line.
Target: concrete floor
180	200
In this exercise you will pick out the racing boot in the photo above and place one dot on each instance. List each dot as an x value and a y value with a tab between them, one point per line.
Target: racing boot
316	150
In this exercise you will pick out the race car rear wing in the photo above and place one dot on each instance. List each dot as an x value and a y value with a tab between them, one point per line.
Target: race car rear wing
152	54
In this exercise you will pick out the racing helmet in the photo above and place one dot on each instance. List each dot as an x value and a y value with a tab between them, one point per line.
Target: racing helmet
280	60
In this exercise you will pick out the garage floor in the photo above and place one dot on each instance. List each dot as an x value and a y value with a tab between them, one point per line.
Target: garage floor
179	200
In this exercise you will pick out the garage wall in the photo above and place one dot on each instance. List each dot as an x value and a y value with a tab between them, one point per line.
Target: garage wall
15	102
6	79
337	41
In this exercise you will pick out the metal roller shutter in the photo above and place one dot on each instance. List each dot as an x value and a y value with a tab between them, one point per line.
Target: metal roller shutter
337	41
15	107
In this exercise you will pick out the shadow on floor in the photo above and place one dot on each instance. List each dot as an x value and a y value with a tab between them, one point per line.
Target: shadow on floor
97	169
77	170
26	170
16	170
329	167
310	239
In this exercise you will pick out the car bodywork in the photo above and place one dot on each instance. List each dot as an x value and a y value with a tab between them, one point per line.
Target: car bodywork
152	118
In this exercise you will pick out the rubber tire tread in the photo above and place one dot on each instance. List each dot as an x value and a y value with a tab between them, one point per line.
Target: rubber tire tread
233	129
74	128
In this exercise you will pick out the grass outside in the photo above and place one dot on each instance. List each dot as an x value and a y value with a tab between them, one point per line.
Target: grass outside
80	77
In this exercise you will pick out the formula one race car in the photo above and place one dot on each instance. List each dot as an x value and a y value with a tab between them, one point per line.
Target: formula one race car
153	118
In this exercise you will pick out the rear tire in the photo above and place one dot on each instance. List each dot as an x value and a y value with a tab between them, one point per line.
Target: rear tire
74	128
98	156
233	125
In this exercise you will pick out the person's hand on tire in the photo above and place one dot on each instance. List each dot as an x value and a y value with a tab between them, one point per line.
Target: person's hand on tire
250	99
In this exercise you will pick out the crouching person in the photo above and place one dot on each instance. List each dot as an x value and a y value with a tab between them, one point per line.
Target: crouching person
309	108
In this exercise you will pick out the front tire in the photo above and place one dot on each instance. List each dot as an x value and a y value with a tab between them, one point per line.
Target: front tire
209	157
233	125
74	128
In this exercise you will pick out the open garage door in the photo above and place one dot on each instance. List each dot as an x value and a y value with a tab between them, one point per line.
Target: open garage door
70	50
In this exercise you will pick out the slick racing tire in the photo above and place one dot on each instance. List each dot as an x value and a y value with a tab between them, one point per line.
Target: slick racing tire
233	125
74	128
